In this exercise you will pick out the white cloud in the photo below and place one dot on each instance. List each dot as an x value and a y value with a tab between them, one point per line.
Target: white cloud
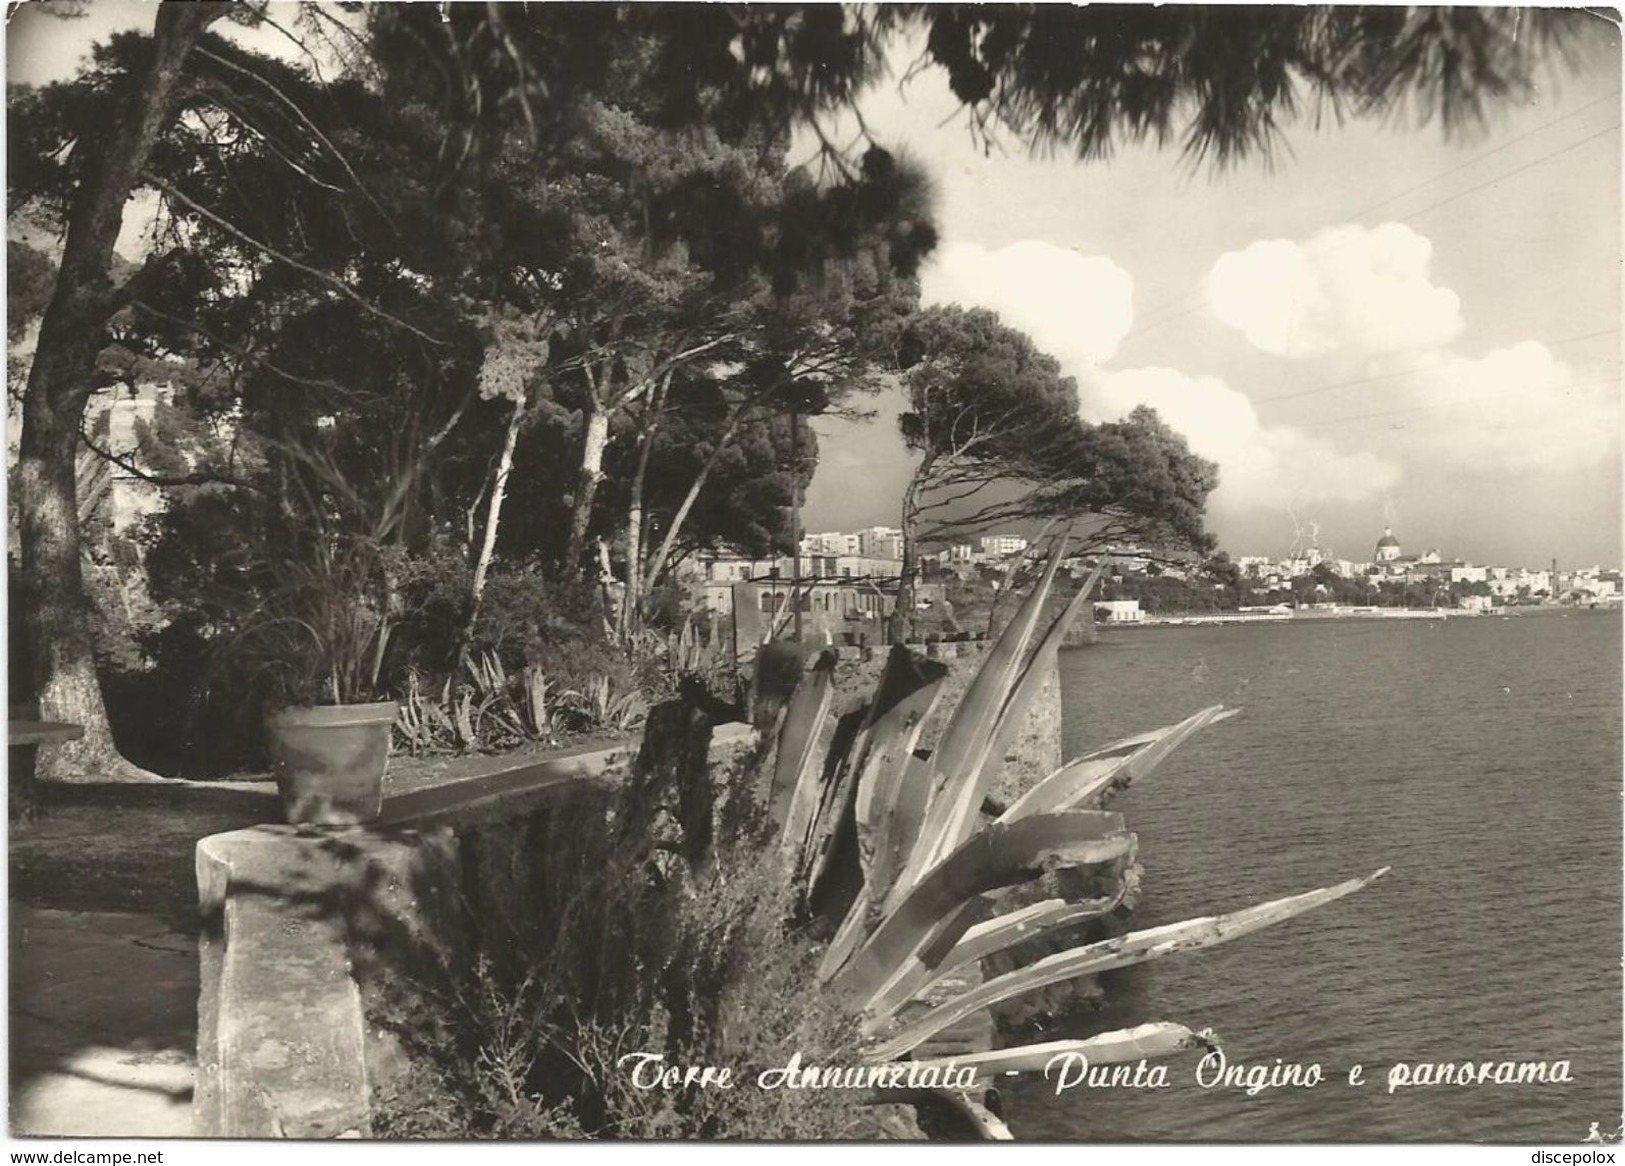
1349	287
1259	466
1519	409
1077	308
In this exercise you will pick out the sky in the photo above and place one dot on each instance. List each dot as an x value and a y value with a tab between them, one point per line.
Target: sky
1383	327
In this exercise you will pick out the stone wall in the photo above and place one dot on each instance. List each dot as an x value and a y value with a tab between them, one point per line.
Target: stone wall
310	933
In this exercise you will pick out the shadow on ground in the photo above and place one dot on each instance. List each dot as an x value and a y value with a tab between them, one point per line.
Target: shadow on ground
103	969
103	1024
126	848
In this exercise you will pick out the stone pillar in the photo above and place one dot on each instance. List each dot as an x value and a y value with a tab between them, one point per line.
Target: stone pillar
292	920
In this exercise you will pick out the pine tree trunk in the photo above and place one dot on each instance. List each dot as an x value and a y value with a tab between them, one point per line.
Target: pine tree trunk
54	606
658	559
594	441
55	611
493	515
632	599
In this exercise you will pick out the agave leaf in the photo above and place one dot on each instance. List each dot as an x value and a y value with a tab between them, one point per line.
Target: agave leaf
854	929
1028	922
889	854
806	799
957	760
795	773
825	839
990	937
890	792
999	856
1038	670
936	942
1136	947
1142	1042
892	782
1088	778
895	840
1127	745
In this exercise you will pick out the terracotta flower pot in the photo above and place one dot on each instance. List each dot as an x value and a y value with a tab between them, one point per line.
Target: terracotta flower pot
330	761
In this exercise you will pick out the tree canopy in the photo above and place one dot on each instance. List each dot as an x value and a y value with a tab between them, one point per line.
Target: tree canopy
1000	441
556	244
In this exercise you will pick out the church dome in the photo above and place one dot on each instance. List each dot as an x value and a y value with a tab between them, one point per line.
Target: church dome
1387	547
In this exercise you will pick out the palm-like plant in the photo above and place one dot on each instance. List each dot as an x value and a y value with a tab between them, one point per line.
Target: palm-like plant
308	621
932	869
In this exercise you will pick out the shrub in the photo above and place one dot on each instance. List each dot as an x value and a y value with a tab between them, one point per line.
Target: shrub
640	940
485	710
686	660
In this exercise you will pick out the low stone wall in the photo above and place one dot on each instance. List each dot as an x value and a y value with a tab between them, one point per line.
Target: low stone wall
308	930
284	1048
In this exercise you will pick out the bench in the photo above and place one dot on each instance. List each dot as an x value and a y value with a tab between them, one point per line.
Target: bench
23	739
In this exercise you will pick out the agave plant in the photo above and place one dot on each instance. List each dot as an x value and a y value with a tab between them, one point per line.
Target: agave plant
488	710
607	710
920	901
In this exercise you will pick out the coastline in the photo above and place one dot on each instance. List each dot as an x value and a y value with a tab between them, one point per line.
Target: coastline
1318	615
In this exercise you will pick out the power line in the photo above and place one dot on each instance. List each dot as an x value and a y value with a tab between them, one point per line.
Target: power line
1510	173
1473	161
1450	404
1405	372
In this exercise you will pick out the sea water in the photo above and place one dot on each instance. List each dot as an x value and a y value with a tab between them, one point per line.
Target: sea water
1480	758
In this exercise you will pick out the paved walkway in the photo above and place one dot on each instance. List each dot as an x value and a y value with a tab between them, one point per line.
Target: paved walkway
103	1024
103	1004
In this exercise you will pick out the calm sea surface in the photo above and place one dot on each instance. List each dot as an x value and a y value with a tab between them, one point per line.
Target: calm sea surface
1481	759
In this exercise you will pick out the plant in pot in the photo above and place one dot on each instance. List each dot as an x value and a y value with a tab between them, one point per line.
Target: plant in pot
318	634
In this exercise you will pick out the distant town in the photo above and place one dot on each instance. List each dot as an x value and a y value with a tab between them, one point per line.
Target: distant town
848	582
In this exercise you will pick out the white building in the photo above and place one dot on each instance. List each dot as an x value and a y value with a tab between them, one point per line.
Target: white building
1119	610
1516	580
879	542
1001	546
831	543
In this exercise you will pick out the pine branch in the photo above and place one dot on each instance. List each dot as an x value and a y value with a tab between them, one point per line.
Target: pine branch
323	277
196	478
